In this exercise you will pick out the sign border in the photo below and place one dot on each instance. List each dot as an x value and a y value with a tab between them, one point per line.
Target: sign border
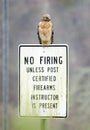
67	78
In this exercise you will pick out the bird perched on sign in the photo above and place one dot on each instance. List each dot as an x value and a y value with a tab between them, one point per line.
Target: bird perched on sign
45	30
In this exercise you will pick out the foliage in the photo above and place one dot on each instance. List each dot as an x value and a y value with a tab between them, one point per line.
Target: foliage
22	123
68	2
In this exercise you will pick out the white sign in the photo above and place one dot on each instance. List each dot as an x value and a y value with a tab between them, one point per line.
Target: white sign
43	80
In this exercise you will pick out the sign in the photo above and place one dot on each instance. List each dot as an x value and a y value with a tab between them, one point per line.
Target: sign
43	80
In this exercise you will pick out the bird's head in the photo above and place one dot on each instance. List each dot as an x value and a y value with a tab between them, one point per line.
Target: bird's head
46	17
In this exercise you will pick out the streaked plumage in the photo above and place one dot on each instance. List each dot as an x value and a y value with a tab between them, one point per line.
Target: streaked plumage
45	30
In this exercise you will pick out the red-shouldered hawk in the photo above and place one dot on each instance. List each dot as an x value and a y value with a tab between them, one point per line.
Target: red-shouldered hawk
45	30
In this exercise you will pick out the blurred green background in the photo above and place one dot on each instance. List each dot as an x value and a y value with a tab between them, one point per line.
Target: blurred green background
71	19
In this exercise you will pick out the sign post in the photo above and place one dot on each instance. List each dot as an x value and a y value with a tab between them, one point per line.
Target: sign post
43	123
5	65
43	81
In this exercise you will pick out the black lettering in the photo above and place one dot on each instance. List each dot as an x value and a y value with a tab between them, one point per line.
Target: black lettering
60	60
29	60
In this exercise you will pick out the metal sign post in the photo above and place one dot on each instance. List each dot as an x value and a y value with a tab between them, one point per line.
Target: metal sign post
43	124
5	71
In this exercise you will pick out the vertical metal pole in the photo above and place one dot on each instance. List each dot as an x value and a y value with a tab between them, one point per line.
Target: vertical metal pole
43	124
5	69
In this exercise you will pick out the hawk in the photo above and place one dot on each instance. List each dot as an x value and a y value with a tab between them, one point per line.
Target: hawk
45	30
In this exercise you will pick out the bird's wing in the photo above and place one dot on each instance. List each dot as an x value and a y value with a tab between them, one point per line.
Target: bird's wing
52	37
38	35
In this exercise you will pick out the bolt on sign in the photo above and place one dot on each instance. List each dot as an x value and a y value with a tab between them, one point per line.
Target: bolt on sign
43	80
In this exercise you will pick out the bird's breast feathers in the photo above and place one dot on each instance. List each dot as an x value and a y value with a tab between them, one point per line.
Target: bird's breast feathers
45	25
45	30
